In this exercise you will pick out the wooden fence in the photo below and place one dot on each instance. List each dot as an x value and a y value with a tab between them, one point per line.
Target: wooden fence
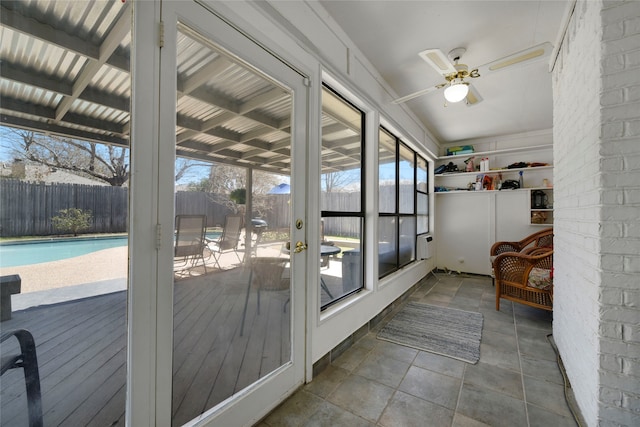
26	208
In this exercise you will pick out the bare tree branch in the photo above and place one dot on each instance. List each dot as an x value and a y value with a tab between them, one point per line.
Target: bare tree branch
338	181
103	162
223	179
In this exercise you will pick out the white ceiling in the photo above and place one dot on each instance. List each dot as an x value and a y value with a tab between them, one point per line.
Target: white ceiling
390	33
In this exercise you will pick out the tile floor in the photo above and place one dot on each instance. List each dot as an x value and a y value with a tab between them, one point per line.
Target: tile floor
517	381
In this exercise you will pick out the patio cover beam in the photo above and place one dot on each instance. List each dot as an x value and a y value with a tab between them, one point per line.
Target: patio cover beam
196	127
215	67
271	96
280	168
11	18
118	32
48	113
341	120
63	131
27	77
230	105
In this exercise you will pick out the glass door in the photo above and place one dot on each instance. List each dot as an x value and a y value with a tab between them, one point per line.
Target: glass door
232	136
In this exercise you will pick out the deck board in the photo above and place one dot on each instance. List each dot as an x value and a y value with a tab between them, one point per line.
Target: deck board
255	334
92	393
110	413
110	389
63	361
81	349
199	362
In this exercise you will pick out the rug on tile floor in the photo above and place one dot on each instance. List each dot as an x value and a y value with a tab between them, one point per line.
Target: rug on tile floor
446	331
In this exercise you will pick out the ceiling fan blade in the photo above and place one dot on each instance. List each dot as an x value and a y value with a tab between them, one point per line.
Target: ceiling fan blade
473	97
439	61
418	93
528	55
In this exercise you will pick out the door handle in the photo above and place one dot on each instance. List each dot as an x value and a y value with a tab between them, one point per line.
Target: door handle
300	247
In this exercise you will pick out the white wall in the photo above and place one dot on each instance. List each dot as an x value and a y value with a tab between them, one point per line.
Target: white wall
596	85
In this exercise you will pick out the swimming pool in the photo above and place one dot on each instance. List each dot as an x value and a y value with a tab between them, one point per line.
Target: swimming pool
15	254
34	252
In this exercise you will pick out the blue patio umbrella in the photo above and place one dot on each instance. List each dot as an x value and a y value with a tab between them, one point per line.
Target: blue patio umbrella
280	189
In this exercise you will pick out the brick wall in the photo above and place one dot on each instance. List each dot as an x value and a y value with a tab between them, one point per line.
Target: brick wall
576	86
597	210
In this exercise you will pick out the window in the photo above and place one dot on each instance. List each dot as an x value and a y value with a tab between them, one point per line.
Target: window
422	196
403	202
342	203
387	203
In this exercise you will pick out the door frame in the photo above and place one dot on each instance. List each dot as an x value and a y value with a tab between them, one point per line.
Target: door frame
152	215
143	217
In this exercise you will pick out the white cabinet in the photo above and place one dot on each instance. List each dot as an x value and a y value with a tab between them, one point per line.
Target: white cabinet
469	223
464	236
512	216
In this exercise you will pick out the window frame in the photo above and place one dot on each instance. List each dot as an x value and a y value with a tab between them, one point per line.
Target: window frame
398	215
361	214
425	193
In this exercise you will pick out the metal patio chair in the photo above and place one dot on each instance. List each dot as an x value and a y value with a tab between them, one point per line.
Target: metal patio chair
228	241
28	361
190	240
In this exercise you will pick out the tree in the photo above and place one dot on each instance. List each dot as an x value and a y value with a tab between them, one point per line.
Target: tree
184	166
103	162
223	180
239	196
338	181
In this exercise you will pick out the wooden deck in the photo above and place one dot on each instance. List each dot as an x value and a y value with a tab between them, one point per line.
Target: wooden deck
81	349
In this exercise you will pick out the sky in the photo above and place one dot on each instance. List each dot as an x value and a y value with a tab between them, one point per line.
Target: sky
5	149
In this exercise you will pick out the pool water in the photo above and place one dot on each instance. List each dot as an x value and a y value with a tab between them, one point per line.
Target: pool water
15	254
35	252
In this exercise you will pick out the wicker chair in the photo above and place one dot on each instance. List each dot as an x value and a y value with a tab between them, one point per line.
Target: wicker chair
542	238
525	277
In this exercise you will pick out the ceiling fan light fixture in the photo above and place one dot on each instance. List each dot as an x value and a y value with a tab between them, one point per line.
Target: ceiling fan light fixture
456	91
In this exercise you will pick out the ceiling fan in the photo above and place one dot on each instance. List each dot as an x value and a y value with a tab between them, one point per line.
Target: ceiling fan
456	88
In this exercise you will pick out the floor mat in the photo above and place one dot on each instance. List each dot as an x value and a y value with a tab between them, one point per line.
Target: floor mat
445	331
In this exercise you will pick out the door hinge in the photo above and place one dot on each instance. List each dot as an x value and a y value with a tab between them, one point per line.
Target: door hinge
306	81
158	236
161	34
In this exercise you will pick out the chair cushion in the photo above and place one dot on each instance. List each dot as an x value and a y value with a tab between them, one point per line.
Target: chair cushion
491	259
540	278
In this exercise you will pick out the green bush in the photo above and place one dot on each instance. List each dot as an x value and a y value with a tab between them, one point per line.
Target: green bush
72	220
239	196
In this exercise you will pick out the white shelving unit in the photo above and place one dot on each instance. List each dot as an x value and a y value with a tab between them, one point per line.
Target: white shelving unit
541	214
499	152
536	177
469	222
